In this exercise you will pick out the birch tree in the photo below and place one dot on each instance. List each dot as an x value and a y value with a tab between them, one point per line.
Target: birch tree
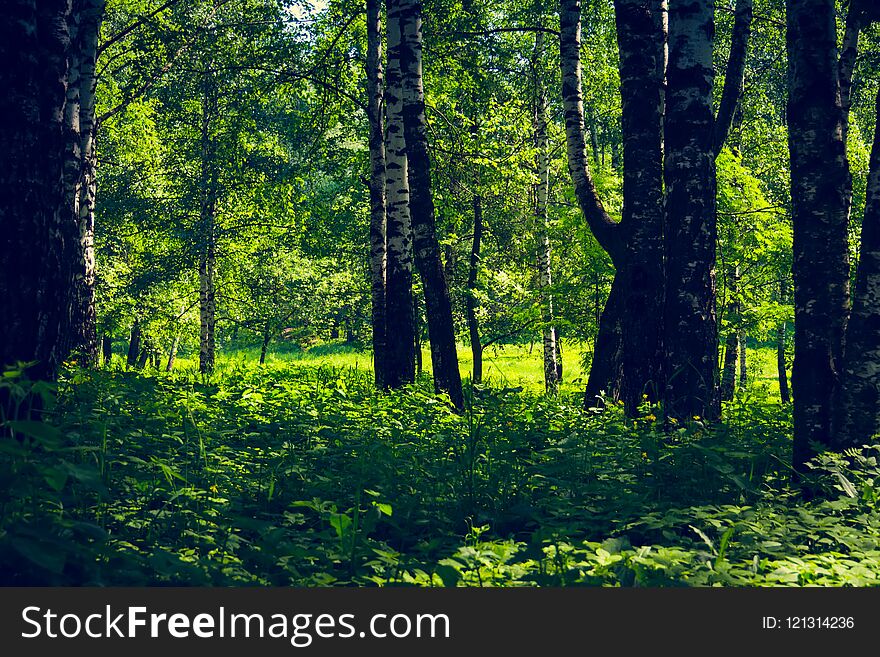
375	115
441	330
400	321
819	199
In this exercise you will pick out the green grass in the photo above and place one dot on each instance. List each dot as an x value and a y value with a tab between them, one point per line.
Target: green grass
514	366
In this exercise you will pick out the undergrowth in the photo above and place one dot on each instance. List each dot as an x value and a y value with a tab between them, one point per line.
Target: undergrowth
291	474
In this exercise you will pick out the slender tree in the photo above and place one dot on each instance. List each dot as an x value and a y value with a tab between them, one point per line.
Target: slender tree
83	184
441	330
541	194
377	188
207	231
819	198
400	339
857	413
471	299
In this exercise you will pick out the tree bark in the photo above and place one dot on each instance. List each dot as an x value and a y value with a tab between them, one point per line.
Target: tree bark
603	227
606	369
172	353
470	299
542	191
134	344
267	337
146	352
784	395
731	343
400	326
734	75
107	348
743	361
207	220
690	329
728	372
441	330
857	415
641	38
819	183
377	188
38	223
85	189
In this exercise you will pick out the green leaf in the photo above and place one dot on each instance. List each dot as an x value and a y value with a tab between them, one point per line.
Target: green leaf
43	433
450	576
55	477
340	522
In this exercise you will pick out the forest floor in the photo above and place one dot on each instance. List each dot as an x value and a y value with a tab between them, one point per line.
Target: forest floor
299	473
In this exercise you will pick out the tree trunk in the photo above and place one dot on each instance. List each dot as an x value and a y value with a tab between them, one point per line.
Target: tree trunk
641	43
732	342
441	330
558	341
728	373
743	369
267	337
691	332
605	370
134	344
83	312
107	348
780	364
37	220
819	183
172	353
606	349
417	333
470	299
603	227
208	208
542	190
400	326
377	187
146	352
734	74
857	416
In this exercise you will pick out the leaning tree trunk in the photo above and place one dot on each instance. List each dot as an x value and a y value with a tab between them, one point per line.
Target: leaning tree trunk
172	353
441	330
734	74
377	188
604	372
471	299
857	415
542	190
37	221
627	356
400	339
819	184
690	328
